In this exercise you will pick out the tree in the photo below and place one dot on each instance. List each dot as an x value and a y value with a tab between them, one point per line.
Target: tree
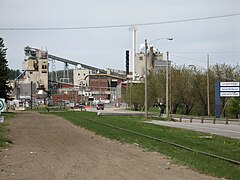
4	89
234	107
154	89
188	89
175	93
200	89
137	95
224	72
183	90
12	74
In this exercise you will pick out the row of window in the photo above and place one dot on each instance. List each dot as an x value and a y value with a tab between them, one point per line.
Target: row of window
80	74
44	66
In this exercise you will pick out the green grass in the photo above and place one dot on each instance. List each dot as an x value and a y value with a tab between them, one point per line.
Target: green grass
154	110
4	141
226	147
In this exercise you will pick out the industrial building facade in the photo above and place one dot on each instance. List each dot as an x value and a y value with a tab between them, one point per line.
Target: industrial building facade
155	62
89	84
36	66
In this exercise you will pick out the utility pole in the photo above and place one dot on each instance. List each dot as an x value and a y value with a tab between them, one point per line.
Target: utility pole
131	95
31	95
167	110
146	100
82	93
170	88
208	88
133	51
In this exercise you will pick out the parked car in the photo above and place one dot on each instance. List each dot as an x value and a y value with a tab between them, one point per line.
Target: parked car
100	106
78	106
81	106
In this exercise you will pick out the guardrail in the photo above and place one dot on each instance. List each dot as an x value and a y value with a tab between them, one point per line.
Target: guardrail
204	119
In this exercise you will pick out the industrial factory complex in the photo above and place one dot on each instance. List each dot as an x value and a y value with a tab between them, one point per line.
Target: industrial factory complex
41	84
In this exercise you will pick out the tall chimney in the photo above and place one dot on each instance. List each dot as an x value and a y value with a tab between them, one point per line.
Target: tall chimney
127	62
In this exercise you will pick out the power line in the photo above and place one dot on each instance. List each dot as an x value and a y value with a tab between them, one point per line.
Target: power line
194	59
206	52
119	26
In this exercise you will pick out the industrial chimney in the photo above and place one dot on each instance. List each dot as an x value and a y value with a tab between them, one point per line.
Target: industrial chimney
127	62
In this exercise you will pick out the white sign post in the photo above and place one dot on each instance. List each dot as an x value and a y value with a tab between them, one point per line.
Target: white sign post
232	84
2	107
225	89
229	89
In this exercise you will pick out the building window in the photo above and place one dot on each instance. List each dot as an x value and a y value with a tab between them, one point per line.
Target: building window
44	66
140	58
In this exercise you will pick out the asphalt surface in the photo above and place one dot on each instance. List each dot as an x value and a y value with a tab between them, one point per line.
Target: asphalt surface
231	130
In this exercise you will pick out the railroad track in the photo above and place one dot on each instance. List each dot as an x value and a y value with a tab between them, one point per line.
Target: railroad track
164	141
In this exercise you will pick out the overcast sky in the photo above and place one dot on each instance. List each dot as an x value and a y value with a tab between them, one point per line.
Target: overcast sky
105	47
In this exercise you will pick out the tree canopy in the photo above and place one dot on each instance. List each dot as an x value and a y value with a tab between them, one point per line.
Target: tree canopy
4	89
188	89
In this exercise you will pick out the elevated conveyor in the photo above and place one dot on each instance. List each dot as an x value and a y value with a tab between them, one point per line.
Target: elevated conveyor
67	61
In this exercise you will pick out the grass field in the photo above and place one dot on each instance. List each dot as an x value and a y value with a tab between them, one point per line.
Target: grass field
221	146
4	141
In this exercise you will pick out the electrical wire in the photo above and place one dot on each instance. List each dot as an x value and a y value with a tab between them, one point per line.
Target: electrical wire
199	60
118	26
194	59
206	52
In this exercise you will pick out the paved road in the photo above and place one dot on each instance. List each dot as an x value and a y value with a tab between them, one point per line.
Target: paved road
232	131
114	111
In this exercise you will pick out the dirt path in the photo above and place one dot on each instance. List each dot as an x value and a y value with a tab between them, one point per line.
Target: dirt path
48	147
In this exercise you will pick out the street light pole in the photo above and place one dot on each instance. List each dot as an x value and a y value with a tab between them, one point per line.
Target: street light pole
208	89
167	74
134	52
146	85
146	100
